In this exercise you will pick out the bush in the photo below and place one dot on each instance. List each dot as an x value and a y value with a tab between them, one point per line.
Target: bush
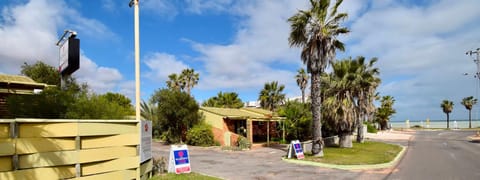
371	128
200	135
243	143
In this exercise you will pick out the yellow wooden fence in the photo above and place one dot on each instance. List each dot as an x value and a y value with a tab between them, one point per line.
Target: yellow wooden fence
71	149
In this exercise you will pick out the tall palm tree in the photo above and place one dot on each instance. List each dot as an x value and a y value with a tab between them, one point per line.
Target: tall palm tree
175	82
189	79
271	95
469	102
315	31
447	107
302	81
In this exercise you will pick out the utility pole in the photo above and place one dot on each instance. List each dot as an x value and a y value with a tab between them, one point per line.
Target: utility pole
134	3
475	54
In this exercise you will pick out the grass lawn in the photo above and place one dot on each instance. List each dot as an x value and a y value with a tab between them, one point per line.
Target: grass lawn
362	153
189	176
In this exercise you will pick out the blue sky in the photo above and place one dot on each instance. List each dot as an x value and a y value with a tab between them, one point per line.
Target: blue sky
239	45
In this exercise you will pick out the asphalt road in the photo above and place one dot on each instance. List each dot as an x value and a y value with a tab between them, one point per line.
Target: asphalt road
440	155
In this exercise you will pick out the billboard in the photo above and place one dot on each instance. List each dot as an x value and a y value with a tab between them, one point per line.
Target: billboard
69	56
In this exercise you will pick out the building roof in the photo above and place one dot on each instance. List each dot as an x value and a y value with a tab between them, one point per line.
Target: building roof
243	113
16	84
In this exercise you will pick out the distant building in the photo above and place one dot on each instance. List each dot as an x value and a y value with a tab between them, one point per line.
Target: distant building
255	104
13	85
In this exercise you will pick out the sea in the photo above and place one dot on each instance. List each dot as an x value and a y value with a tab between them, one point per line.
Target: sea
435	123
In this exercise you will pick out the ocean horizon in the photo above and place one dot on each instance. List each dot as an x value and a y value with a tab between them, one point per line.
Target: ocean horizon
435	123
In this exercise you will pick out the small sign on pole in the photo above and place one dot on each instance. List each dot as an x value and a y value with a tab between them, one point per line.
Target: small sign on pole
296	149
179	161
145	140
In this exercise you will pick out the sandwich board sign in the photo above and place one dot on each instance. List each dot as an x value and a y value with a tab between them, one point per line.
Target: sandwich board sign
296	149
179	161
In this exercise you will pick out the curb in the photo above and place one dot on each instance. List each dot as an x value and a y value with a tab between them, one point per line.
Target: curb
351	167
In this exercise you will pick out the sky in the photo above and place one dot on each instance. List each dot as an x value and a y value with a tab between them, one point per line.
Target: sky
238	46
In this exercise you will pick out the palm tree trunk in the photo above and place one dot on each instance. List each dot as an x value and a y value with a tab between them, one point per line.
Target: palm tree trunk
448	121
303	96
469	118
317	143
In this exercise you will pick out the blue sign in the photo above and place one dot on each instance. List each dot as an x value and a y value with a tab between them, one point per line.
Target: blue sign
298	148
181	157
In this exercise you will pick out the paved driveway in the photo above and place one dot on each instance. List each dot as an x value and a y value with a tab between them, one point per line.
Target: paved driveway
261	163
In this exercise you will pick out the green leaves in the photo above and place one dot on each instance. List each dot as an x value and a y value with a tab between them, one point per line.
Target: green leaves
271	96
224	100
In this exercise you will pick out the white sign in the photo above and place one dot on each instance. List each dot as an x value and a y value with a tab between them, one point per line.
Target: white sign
179	161
296	149
145	140
63	56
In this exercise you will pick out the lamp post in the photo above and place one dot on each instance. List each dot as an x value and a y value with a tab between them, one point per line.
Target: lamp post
134	3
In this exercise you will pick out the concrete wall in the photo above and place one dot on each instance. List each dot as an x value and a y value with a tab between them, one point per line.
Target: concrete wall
60	149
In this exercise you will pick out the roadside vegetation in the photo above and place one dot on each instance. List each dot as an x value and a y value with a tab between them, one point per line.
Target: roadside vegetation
368	152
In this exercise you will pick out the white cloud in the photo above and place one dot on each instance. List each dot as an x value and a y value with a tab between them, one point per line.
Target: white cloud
163	8
421	51
161	65
29	33
261	42
100	79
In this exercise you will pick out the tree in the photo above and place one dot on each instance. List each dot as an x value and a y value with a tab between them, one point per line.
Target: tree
302	81
175	82
385	111
119	99
93	106
271	96
447	107
224	100
315	31
298	121
469	102
41	72
189	79
177	113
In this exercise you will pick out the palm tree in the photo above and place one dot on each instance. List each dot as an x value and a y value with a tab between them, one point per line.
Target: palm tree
302	81
189	79
271	96
175	82
385	111
469	102
447	107
315	31
224	100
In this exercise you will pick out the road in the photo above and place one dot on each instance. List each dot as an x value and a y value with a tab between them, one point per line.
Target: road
439	155
430	155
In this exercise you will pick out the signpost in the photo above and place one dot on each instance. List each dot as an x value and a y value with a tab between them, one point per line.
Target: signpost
69	54
179	161
145	140
296	149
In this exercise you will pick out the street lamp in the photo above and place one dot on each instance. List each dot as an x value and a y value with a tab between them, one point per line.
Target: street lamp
134	3
476	60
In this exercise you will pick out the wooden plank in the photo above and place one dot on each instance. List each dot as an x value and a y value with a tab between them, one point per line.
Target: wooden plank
35	145
46	159
48	129
5	163
7	147
99	129
72	157
4	130
146	167
111	165
102	154
40	173
124	174
106	141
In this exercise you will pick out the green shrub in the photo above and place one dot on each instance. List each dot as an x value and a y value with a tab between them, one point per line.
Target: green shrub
371	128
243	142
200	135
